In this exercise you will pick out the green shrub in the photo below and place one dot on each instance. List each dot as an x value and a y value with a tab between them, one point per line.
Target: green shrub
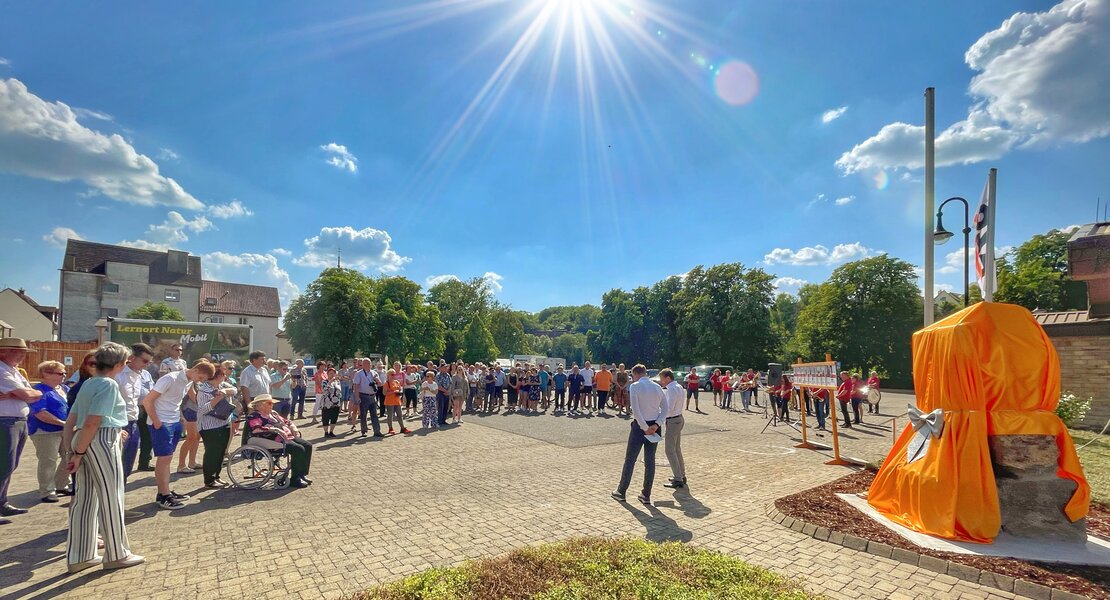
1072	409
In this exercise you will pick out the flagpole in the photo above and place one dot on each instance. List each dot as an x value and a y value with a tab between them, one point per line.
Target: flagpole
930	172
992	181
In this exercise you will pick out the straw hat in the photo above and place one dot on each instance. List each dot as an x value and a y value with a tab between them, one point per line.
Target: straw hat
259	399
13	343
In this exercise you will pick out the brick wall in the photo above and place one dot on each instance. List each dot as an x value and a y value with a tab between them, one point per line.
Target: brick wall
1085	372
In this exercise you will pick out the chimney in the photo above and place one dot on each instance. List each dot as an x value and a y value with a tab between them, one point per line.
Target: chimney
1089	260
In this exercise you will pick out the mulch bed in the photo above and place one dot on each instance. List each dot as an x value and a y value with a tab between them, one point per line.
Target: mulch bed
822	508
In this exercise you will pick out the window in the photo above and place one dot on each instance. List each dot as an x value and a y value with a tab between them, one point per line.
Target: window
109	312
110	287
173	295
215	319
242	320
210	301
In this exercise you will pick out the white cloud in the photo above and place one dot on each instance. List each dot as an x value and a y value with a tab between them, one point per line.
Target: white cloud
433	280
361	248
954	262
789	282
818	255
231	210
1018	94
841	201
59	235
340	158
47	288
281	252
833	114
493	280
167	154
4	62
173	231
88	113
257	269
44	140
1069	228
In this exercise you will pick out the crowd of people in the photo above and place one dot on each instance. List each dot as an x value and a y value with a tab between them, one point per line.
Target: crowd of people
119	409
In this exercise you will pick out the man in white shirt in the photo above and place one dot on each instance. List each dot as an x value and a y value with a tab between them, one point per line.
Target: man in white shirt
587	372
16	396
366	383
672	433
255	378
649	405
173	362
163	409
135	383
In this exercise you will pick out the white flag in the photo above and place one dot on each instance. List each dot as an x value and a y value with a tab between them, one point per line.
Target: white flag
984	245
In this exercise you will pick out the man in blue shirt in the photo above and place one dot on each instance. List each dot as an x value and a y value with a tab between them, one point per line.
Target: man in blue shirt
559	379
545	387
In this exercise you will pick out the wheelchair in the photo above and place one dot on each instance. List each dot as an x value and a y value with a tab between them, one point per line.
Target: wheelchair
261	462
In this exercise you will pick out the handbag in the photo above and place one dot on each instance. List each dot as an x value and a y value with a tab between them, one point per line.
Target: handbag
222	410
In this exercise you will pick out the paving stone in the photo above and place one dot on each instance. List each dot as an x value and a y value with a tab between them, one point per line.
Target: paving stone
1032	590
933	563
381	510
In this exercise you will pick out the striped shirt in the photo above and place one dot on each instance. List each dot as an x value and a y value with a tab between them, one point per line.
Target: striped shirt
205	392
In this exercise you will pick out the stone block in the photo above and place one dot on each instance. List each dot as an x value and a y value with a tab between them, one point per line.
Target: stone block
855	543
1032	590
1062	595
906	556
1034	508
822	534
996	580
1017	455
933	563
879	549
964	572
837	538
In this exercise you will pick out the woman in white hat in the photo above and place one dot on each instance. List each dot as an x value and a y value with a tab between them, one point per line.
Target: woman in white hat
264	423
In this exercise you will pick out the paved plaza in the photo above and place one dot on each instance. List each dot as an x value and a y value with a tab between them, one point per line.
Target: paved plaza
383	509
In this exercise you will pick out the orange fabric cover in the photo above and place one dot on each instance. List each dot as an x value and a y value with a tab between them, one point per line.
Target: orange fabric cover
993	370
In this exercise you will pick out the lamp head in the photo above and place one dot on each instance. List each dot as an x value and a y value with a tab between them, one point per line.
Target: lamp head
941	234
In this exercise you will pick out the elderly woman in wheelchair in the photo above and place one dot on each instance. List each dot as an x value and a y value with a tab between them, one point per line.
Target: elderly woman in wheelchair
279	437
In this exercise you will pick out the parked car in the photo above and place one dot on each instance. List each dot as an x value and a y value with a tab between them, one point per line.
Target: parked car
310	381
704	372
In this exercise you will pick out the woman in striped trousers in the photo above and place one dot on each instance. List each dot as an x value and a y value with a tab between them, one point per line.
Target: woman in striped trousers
94	432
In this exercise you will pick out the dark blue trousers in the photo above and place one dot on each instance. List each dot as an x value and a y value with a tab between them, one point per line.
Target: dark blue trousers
442	402
636	443
130	448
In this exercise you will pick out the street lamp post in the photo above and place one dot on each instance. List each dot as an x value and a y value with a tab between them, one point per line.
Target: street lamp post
942	235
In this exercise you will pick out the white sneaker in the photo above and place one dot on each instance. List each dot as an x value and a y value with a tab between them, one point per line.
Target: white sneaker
88	564
123	563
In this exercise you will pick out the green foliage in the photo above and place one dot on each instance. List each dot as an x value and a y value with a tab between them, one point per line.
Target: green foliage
159	311
333	318
344	313
864	315
621	337
1072	408
477	342
507	328
458	301
571	347
571	319
590	568
1035	275
724	315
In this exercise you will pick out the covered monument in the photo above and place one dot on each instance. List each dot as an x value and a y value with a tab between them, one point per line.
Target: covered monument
995	457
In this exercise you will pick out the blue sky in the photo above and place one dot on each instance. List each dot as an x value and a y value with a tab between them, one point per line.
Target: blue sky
433	139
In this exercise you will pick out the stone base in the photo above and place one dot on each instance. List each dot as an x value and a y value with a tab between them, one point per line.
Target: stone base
1031	497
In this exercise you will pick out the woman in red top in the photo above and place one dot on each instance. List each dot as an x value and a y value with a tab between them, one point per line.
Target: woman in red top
844	396
715	383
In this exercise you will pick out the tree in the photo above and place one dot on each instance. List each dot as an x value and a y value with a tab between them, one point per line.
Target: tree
572	319
160	311
723	315
1035	275
477	342
427	333
864	315
334	318
570	347
508	331
622	328
458	301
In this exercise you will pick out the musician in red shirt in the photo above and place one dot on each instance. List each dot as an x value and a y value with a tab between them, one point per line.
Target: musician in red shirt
844	396
873	396
820	406
715	383
692	389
